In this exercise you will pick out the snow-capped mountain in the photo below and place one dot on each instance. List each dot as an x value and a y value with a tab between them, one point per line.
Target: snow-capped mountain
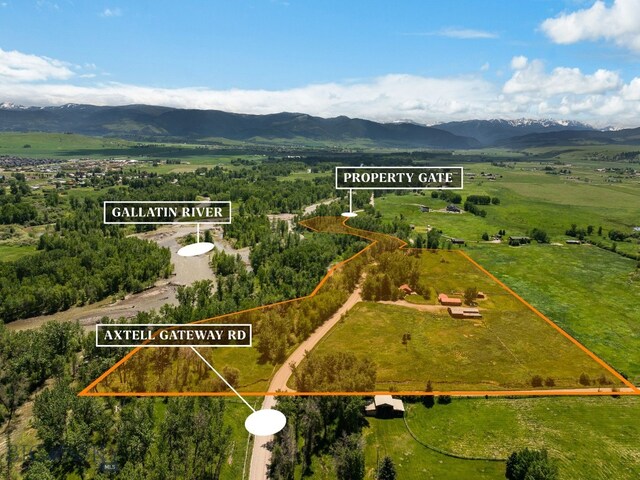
488	132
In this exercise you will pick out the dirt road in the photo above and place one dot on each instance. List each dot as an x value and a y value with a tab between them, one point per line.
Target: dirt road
260	456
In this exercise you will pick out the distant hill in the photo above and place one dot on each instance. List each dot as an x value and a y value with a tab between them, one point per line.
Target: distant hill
497	131
150	121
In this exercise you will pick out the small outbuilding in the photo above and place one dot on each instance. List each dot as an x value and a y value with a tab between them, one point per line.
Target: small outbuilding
573	242
444	299
385	406
406	289
515	241
453	209
464	312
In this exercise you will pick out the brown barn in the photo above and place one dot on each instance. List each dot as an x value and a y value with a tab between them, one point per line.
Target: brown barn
406	289
449	301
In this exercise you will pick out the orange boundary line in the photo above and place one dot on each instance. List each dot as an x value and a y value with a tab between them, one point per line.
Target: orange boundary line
86	392
453	393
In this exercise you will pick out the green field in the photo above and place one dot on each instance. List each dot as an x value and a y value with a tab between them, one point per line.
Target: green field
529	199
9	252
416	462
591	293
503	350
57	145
595	438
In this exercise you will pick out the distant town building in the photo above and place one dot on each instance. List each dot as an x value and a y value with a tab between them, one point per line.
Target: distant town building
457	241
424	208
406	289
574	242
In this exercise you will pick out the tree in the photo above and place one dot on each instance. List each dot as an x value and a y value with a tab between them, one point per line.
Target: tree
529	464
406	337
428	400
470	295
485	236
540	235
348	455
387	470
536	381
584	379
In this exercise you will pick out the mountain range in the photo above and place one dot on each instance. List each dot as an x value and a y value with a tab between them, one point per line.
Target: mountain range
145	121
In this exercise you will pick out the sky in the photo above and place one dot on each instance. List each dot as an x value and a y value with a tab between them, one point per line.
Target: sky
423	61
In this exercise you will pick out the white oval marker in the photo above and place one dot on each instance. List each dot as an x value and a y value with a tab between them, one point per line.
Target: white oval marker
349	214
265	422
195	249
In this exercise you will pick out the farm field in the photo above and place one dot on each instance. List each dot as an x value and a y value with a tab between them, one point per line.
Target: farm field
573	430
502	351
413	461
529	199
588	437
591	293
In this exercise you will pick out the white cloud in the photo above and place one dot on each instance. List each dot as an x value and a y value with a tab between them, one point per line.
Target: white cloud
530	77
619	23
459	33
519	62
599	97
111	12
21	67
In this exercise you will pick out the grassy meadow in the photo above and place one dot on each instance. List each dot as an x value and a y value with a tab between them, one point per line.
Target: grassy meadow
501	351
529	199
591	293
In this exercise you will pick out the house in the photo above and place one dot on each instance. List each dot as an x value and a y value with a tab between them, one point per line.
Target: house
480	296
385	406
424	208
573	242
464	312
457	241
444	299
515	241
406	289
453	209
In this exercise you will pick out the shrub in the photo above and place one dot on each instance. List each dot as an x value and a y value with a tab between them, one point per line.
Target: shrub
536	381
584	379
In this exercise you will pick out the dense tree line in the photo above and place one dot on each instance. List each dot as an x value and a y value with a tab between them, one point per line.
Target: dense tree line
392	270
319	426
473	209
29	357
447	195
334	372
77	268
12	207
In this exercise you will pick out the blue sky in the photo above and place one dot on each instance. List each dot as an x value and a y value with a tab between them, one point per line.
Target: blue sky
425	61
